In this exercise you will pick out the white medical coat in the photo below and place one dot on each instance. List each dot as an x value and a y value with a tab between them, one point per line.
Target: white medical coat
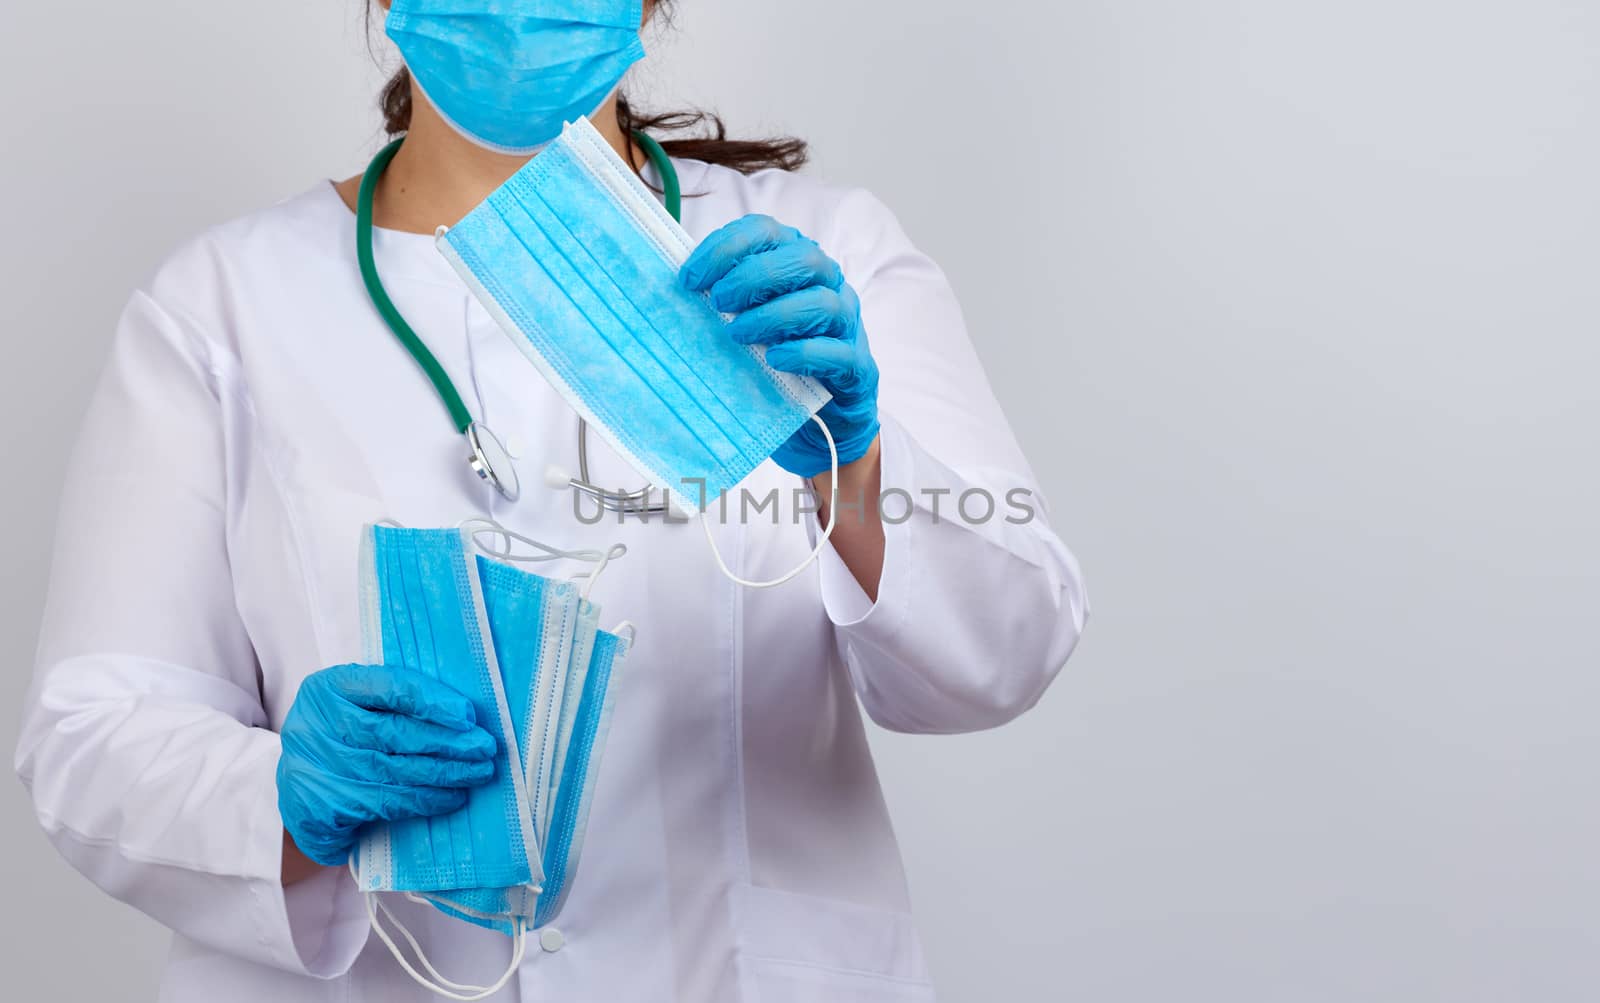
255	413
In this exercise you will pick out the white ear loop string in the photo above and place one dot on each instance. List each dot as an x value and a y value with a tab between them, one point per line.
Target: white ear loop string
833	520
445	987
465	993
489	527
599	558
461	992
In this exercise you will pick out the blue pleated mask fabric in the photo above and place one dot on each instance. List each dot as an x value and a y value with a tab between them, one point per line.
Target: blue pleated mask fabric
525	650
580	767
423	609
535	623
583	642
578	262
592	701
507	74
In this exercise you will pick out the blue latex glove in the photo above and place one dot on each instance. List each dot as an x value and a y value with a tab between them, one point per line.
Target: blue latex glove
364	743
792	297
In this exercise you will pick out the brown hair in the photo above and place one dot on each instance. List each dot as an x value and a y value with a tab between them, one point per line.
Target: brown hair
706	139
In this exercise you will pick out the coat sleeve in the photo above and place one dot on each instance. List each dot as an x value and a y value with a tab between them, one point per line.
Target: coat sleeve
144	743
980	603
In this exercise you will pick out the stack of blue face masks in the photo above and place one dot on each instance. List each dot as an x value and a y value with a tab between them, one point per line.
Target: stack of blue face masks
529	654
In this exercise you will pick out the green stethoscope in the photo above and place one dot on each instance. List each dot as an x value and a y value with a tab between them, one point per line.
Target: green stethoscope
489	458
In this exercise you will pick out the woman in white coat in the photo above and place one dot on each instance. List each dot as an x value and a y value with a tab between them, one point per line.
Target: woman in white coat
256	412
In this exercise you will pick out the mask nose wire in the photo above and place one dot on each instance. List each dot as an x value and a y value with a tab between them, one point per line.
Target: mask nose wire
833	520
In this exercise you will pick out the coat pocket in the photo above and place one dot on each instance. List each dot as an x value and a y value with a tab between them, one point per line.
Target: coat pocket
797	948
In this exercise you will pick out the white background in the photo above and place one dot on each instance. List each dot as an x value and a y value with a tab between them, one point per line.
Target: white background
1293	304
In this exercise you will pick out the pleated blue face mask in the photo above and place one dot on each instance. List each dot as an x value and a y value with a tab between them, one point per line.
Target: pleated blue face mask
423	609
578	262
534	622
541	624
592	703
583	642
507	74
580	768
506	638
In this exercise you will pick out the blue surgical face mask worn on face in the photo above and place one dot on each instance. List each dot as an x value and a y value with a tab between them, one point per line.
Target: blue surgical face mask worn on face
507	74
579	264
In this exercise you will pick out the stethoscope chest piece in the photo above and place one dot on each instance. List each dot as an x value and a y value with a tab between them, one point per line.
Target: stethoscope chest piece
492	462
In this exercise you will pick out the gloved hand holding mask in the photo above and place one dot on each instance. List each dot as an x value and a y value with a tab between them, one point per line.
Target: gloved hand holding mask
365	743
792	297
524	657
